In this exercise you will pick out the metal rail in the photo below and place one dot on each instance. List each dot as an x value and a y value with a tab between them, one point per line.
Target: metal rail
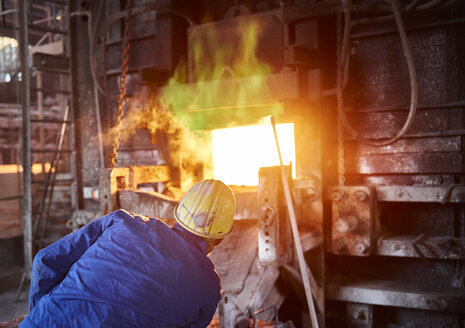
295	232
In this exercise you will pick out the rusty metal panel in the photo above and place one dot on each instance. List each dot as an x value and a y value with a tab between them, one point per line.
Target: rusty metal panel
44	61
246	204
112	180
353	230
427	121
306	195
387	83
413	145
147	203
443	194
246	283
386	293
422	247
121	178
274	247
408	180
408	163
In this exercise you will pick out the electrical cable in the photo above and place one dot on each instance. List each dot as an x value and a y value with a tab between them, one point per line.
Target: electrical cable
429	5
411	68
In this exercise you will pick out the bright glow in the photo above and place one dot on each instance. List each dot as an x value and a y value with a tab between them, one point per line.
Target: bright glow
238	153
36	168
6	41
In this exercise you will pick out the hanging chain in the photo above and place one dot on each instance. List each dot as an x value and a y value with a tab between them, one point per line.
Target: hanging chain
122	82
340	123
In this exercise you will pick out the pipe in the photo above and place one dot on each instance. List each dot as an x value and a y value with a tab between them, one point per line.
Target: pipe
26	205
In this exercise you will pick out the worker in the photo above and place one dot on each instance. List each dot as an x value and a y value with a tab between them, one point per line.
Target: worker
126	270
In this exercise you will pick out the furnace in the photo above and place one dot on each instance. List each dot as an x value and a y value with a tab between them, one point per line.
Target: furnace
127	104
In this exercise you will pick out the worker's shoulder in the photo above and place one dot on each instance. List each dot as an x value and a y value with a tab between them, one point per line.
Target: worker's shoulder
120	214
126	215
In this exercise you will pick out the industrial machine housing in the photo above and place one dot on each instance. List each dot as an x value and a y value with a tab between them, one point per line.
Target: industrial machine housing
375	93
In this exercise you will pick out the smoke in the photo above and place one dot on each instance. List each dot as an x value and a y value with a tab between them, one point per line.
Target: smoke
180	146
186	113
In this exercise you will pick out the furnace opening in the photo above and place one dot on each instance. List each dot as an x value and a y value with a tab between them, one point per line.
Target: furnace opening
238	153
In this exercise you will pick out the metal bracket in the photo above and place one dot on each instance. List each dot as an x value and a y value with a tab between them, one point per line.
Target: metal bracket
274	239
353	229
123	178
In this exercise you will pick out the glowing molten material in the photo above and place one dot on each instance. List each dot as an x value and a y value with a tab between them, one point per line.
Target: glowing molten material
238	153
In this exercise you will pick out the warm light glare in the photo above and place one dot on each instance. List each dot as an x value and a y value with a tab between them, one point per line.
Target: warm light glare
6	41
36	168
238	153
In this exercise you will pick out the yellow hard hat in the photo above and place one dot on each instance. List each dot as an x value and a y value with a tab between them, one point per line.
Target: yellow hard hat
207	209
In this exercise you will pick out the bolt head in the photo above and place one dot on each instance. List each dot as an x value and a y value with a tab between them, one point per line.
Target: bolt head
361	196
361	248
346	224
341	225
337	195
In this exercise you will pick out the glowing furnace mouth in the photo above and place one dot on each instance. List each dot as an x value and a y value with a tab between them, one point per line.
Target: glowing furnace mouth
238	153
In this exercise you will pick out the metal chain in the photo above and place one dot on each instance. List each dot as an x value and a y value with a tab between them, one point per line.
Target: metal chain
122	85
340	122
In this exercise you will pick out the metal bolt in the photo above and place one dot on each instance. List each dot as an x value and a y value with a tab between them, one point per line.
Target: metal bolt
361	248
337	195
341	225
361	196
346	224
360	315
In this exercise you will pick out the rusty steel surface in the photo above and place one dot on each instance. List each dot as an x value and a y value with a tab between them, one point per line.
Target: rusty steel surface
246	283
147	203
353	231
451	193
396	294
247	206
426	247
274	236
307	198
121	178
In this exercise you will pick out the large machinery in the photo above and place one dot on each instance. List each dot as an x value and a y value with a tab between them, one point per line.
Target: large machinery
372	95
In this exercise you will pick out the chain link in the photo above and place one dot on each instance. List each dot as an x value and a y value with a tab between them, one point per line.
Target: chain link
122	82
340	122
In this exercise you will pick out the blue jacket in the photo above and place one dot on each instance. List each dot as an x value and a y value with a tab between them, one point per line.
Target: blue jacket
123	271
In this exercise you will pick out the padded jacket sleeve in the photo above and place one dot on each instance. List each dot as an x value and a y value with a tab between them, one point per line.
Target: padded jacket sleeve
52	263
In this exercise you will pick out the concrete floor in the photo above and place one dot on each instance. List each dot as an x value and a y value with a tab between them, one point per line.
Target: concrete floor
10	278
